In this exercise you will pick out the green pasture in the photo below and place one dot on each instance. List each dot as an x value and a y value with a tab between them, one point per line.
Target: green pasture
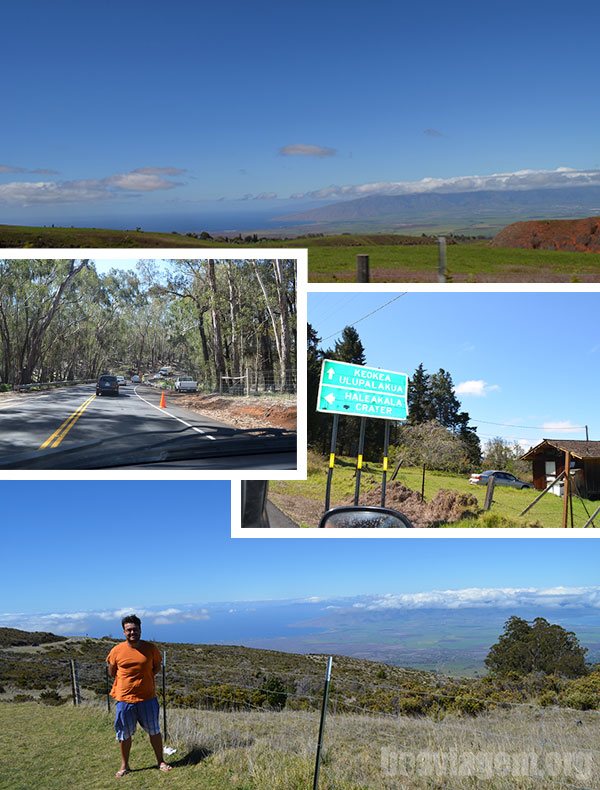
468	262
507	505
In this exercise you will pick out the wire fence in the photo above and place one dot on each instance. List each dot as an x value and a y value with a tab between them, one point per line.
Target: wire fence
395	730
88	681
260	382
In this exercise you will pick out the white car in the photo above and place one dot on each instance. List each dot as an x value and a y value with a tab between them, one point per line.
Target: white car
185	384
121	381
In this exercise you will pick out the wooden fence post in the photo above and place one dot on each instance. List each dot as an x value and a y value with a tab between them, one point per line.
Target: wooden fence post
362	269
489	494
442	259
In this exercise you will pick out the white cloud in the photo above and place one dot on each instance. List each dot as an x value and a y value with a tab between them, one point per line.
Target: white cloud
564	426
146	179
520	179
478	388
554	597
301	149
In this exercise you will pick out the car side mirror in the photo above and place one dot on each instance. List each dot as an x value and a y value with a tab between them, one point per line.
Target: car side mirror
364	518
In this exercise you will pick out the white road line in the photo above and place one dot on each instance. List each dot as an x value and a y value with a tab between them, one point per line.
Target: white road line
168	413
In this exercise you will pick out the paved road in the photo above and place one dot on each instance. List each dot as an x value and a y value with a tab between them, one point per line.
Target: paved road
74	425
277	518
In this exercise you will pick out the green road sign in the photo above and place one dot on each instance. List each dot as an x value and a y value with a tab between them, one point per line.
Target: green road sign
362	392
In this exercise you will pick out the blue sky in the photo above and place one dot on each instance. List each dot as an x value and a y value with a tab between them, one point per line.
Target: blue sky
134	113
98	545
525	366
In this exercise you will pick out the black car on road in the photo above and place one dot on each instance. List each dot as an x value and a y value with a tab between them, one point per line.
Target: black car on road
107	385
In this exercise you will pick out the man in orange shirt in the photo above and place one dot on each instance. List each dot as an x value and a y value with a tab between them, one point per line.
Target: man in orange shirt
133	664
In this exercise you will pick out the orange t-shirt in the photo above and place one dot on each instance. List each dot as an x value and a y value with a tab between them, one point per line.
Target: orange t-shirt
136	667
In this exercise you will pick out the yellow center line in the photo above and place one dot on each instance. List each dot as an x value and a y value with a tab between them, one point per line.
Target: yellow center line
60	433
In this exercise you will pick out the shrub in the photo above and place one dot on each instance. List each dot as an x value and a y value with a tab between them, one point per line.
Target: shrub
412	706
581	700
468	705
52	697
547	698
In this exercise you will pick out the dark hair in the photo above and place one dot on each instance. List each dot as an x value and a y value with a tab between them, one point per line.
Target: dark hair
131	618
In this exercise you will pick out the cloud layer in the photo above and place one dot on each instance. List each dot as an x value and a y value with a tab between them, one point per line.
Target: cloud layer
142	180
521	179
540	599
79	622
498	598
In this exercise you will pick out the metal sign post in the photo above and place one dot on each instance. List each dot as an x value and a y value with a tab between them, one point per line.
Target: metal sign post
322	723
359	458
334	433
386	444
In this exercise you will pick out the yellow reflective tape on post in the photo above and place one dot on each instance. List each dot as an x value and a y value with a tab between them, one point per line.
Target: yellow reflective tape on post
60	433
331	460
359	462
385	463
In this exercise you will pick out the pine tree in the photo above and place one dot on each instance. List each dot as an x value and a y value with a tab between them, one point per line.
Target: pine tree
349	348
419	397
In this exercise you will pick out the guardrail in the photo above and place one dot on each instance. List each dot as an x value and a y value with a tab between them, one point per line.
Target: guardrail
51	384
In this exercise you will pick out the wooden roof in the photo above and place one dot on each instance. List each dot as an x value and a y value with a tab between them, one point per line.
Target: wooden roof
580	449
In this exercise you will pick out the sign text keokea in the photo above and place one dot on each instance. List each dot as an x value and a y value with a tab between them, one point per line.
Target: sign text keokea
362	392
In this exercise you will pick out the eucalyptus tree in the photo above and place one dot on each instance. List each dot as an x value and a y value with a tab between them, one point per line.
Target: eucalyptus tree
31	294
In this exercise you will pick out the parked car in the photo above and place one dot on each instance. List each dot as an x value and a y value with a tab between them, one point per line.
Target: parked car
135	379
166	371
502	479
107	385
121	381
185	384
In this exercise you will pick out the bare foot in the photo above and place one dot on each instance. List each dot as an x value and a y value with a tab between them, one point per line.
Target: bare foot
165	766
122	772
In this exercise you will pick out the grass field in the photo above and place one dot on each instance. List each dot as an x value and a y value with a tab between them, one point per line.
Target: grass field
303	500
520	747
393	257
470	262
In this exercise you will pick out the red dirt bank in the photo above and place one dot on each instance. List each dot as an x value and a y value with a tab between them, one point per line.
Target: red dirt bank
573	235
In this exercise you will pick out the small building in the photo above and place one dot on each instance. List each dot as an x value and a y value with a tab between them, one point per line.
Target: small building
548	460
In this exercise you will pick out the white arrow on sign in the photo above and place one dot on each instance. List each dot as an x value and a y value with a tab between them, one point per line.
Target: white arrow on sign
331	373
330	398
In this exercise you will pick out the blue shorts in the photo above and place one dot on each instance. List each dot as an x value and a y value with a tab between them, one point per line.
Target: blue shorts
128	714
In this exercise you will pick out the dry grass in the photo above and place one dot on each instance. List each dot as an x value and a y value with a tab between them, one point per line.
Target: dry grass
52	748
277	751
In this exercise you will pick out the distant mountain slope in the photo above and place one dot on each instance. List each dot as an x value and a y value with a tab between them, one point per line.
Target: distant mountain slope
561	202
575	235
14	637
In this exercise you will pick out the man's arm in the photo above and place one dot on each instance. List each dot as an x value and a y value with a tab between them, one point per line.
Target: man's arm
112	667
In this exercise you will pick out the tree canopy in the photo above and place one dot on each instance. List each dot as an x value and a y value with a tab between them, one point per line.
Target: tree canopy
538	646
61	320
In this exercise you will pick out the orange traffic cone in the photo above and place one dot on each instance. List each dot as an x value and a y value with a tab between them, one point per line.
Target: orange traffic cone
163	401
